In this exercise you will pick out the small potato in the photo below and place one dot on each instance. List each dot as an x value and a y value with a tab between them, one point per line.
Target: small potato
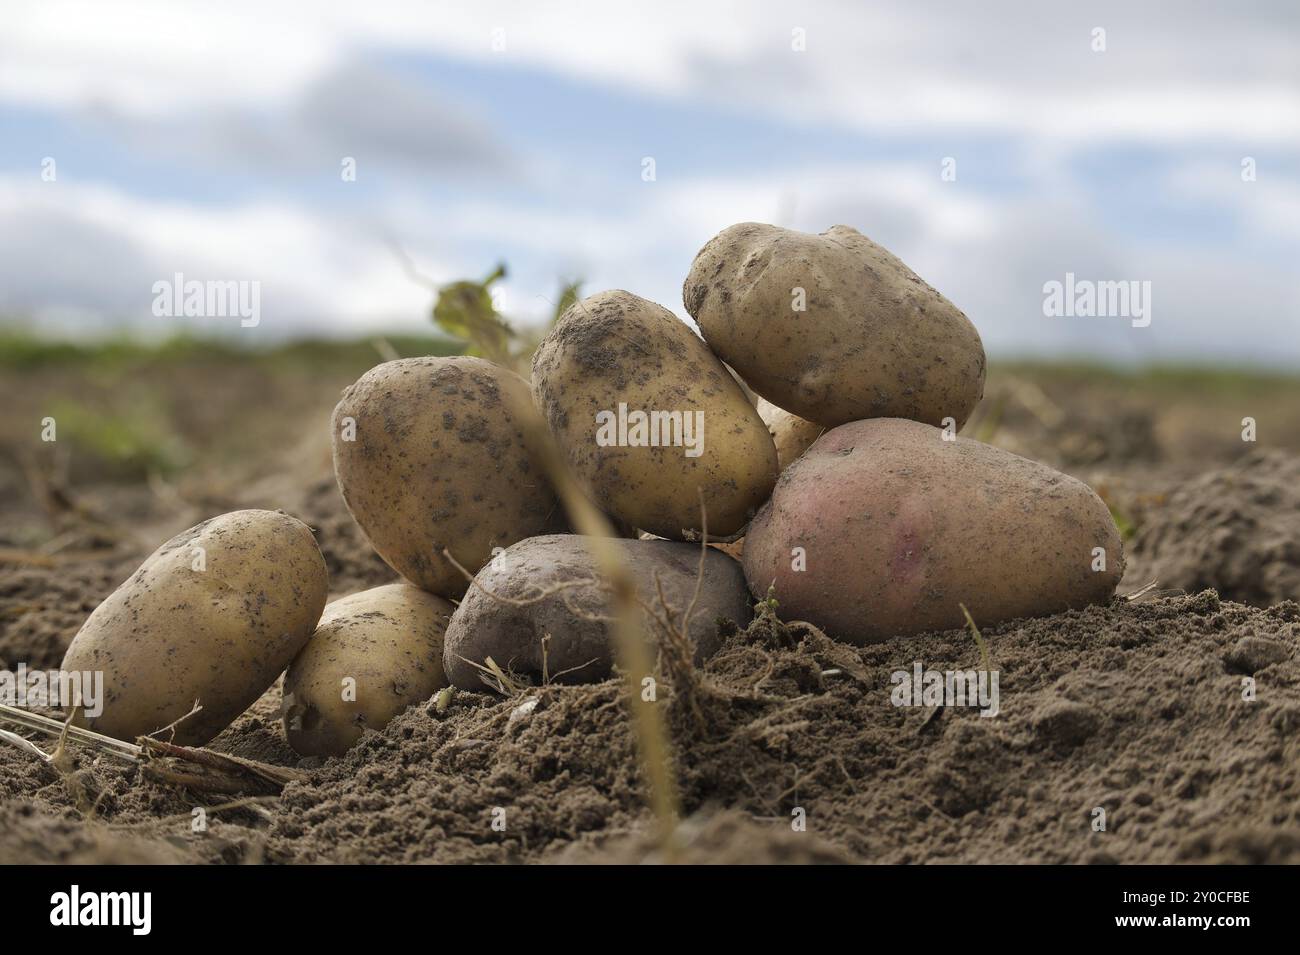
648	418
833	327
548	629
374	654
883	528
791	434
429	454
213	615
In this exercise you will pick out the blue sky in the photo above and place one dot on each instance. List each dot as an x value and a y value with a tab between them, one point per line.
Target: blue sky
207	139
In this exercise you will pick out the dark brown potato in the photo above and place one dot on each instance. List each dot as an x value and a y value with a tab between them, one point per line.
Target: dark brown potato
872	341
440	460
617	349
895	528
579	646
214	615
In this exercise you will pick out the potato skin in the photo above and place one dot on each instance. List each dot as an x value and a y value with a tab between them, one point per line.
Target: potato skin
580	641
171	634
440	459
791	434
389	640
615	347
875	340
900	527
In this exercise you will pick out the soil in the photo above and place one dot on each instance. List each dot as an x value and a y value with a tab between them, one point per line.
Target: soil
1176	713
1235	528
1136	709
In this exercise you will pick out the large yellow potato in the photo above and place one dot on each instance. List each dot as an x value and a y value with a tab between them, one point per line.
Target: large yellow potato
214	615
429	454
884	528
832	327
615	356
374	654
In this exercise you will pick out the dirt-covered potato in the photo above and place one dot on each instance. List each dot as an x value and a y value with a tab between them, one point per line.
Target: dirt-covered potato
373	654
884	528
648	418
214	616
833	327
429	454
791	434
562	637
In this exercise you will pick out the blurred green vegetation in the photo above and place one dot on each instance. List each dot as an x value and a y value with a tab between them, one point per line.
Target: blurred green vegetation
467	311
1155	378
129	442
21	350
1123	523
130	407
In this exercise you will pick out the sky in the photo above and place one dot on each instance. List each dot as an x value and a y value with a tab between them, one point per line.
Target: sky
994	147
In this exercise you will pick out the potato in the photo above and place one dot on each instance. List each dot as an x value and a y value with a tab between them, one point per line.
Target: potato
579	649
648	418
832	327
374	654
429	454
791	434
213	615
883	528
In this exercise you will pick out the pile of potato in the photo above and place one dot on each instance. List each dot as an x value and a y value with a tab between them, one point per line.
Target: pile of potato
861	509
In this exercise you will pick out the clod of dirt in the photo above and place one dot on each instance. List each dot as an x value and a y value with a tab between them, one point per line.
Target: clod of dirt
975	765
1241	846
1252	654
725	838
1065	722
1236	529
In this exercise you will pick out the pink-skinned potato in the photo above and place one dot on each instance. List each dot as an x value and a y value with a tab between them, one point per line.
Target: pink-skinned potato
883	528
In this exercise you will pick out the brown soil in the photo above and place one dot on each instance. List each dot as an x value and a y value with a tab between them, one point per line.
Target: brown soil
1136	708
1236	528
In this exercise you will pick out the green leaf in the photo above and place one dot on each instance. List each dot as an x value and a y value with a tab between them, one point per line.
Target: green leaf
464	310
570	292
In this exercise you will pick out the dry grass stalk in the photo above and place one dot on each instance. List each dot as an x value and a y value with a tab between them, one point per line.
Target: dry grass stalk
496	679
201	770
65	731
630	650
677	654
206	771
979	640
1142	591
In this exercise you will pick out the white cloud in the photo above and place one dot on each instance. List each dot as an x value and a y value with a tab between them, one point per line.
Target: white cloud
1268	205
1170	72
990	255
1173	77
72	251
322	273
380	116
157	57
